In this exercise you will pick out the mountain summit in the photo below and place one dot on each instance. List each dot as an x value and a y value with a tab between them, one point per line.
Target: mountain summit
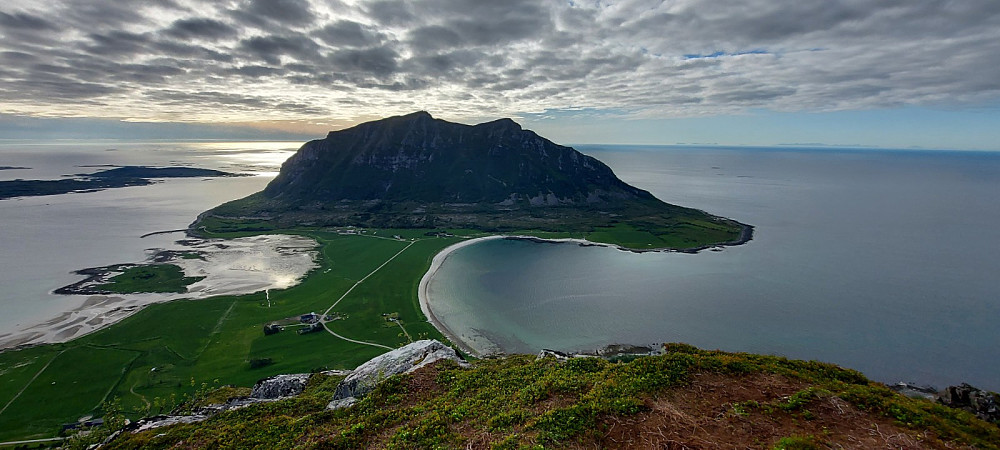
422	159
418	171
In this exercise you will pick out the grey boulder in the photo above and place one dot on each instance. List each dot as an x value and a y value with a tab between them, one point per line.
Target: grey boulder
280	386
401	360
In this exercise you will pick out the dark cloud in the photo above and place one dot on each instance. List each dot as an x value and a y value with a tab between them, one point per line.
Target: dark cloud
345	33
229	100
256	71
24	21
296	13
18	57
434	37
379	62
56	87
391	12
272	48
185	50
457	24
654	58
120	43
446	63
200	28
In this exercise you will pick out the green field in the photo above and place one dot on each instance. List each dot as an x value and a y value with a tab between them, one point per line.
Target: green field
152	278
153	359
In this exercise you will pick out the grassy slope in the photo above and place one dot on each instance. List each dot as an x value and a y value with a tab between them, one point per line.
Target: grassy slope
205	343
650	401
685	234
197	344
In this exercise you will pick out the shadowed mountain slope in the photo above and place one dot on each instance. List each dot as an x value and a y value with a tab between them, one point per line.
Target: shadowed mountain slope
418	171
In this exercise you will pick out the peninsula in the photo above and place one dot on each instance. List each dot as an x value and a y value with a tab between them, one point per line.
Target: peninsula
415	171
106	179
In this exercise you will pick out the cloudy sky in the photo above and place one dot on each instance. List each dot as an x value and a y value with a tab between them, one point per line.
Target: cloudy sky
893	73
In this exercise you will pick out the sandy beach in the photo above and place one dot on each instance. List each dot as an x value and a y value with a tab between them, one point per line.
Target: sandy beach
230	267
439	259
423	294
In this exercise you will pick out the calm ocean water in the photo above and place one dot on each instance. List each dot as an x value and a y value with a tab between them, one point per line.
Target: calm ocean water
44	239
882	261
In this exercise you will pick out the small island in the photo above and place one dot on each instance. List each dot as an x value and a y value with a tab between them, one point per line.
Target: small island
106	179
131	279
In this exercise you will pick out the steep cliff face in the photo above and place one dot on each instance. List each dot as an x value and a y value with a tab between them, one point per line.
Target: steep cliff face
421	159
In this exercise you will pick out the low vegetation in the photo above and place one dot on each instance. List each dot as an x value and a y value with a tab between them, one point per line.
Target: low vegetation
167	352
685	397
152	278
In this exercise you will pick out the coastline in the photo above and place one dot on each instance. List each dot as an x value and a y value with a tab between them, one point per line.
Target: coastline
423	296
238	266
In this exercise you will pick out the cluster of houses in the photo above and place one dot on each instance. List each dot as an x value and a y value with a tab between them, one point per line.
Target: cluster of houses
439	234
311	321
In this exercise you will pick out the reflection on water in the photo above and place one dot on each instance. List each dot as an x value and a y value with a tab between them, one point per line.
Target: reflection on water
228	267
45	239
880	261
48	161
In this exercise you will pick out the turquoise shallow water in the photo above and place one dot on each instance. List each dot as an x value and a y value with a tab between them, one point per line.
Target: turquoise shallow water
883	261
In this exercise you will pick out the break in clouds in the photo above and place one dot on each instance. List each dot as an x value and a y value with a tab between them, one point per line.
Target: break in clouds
250	60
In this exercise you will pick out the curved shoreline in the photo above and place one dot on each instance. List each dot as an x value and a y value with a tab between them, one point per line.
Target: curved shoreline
424	299
423	296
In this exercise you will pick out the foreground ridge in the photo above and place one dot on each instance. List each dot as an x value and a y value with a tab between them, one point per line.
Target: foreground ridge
684	397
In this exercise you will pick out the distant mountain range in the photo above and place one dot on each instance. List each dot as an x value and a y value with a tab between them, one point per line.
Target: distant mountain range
418	171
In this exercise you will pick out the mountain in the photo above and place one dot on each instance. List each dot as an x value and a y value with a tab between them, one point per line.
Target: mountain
418	158
418	171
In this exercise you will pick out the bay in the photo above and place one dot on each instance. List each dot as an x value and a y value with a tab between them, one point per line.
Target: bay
43	240
881	261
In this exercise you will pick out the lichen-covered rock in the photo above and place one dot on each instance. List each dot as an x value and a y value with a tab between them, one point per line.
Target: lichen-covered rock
149	423
401	360
280	386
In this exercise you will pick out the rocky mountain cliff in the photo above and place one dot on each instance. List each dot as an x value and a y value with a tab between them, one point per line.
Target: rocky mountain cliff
422	159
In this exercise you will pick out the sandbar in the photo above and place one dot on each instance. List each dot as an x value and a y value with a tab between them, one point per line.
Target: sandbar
230	267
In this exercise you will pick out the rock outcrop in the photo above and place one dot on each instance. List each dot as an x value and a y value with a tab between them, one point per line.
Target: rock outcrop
402	360
266	390
280	386
985	405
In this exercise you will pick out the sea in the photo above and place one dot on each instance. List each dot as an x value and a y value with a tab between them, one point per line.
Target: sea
44	239
885	261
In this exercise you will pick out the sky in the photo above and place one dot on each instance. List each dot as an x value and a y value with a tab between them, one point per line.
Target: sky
870	73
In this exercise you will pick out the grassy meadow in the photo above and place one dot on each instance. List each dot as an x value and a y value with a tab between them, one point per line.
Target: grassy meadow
152	360
155	359
152	278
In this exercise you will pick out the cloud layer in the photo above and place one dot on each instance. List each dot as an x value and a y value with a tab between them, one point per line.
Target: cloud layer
342	61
